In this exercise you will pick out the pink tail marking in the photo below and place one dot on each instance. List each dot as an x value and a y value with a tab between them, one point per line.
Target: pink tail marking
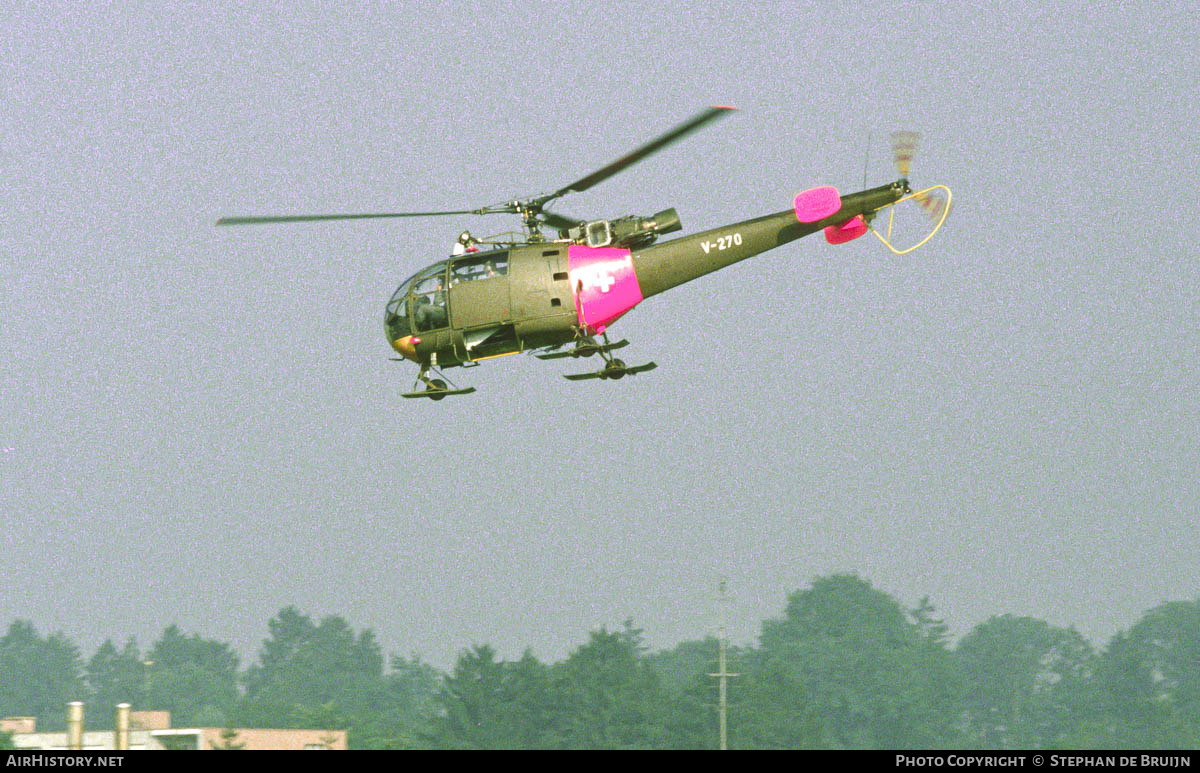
847	231
817	204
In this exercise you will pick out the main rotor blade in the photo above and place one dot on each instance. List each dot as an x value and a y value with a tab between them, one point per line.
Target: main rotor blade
561	222
653	146
255	220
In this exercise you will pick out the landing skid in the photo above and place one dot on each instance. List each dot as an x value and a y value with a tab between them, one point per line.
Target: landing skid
435	388
437	394
614	370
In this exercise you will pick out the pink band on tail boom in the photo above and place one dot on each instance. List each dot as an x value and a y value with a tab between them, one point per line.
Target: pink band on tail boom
817	204
847	231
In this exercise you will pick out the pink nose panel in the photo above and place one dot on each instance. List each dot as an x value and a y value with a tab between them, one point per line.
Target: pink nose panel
847	231
817	204
603	283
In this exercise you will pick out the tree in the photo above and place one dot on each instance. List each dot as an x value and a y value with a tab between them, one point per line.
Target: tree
874	678
679	668
324	675
684	674
401	717
603	696
770	709
38	677
931	628
610	697
487	703
1029	682
193	678
1149	680
312	673
114	677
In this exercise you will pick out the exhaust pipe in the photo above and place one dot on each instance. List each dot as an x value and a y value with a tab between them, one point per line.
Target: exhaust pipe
75	725
121	728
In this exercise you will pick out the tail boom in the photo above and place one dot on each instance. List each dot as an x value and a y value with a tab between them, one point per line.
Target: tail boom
662	266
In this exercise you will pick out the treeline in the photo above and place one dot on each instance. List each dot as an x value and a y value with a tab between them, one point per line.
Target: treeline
847	666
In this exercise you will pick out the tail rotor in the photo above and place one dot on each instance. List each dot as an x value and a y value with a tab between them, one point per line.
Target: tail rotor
904	146
933	201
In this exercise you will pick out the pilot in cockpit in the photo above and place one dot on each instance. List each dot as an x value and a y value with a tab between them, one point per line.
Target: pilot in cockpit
429	311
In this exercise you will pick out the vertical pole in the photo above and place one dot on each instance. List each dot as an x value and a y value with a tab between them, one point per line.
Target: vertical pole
121	728
721	667
75	725
722	672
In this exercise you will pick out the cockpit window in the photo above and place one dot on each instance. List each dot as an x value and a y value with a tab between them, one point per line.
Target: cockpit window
429	284
429	299
429	310
419	303
402	290
396	320
485	266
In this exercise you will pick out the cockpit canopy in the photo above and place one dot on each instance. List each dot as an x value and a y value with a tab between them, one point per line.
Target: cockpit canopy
420	303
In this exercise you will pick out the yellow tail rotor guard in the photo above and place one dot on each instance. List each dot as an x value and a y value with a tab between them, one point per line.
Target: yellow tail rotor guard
892	216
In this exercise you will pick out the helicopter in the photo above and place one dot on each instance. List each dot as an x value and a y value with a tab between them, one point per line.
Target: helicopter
532	292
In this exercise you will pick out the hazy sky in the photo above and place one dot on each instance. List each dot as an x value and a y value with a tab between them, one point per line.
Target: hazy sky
200	425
